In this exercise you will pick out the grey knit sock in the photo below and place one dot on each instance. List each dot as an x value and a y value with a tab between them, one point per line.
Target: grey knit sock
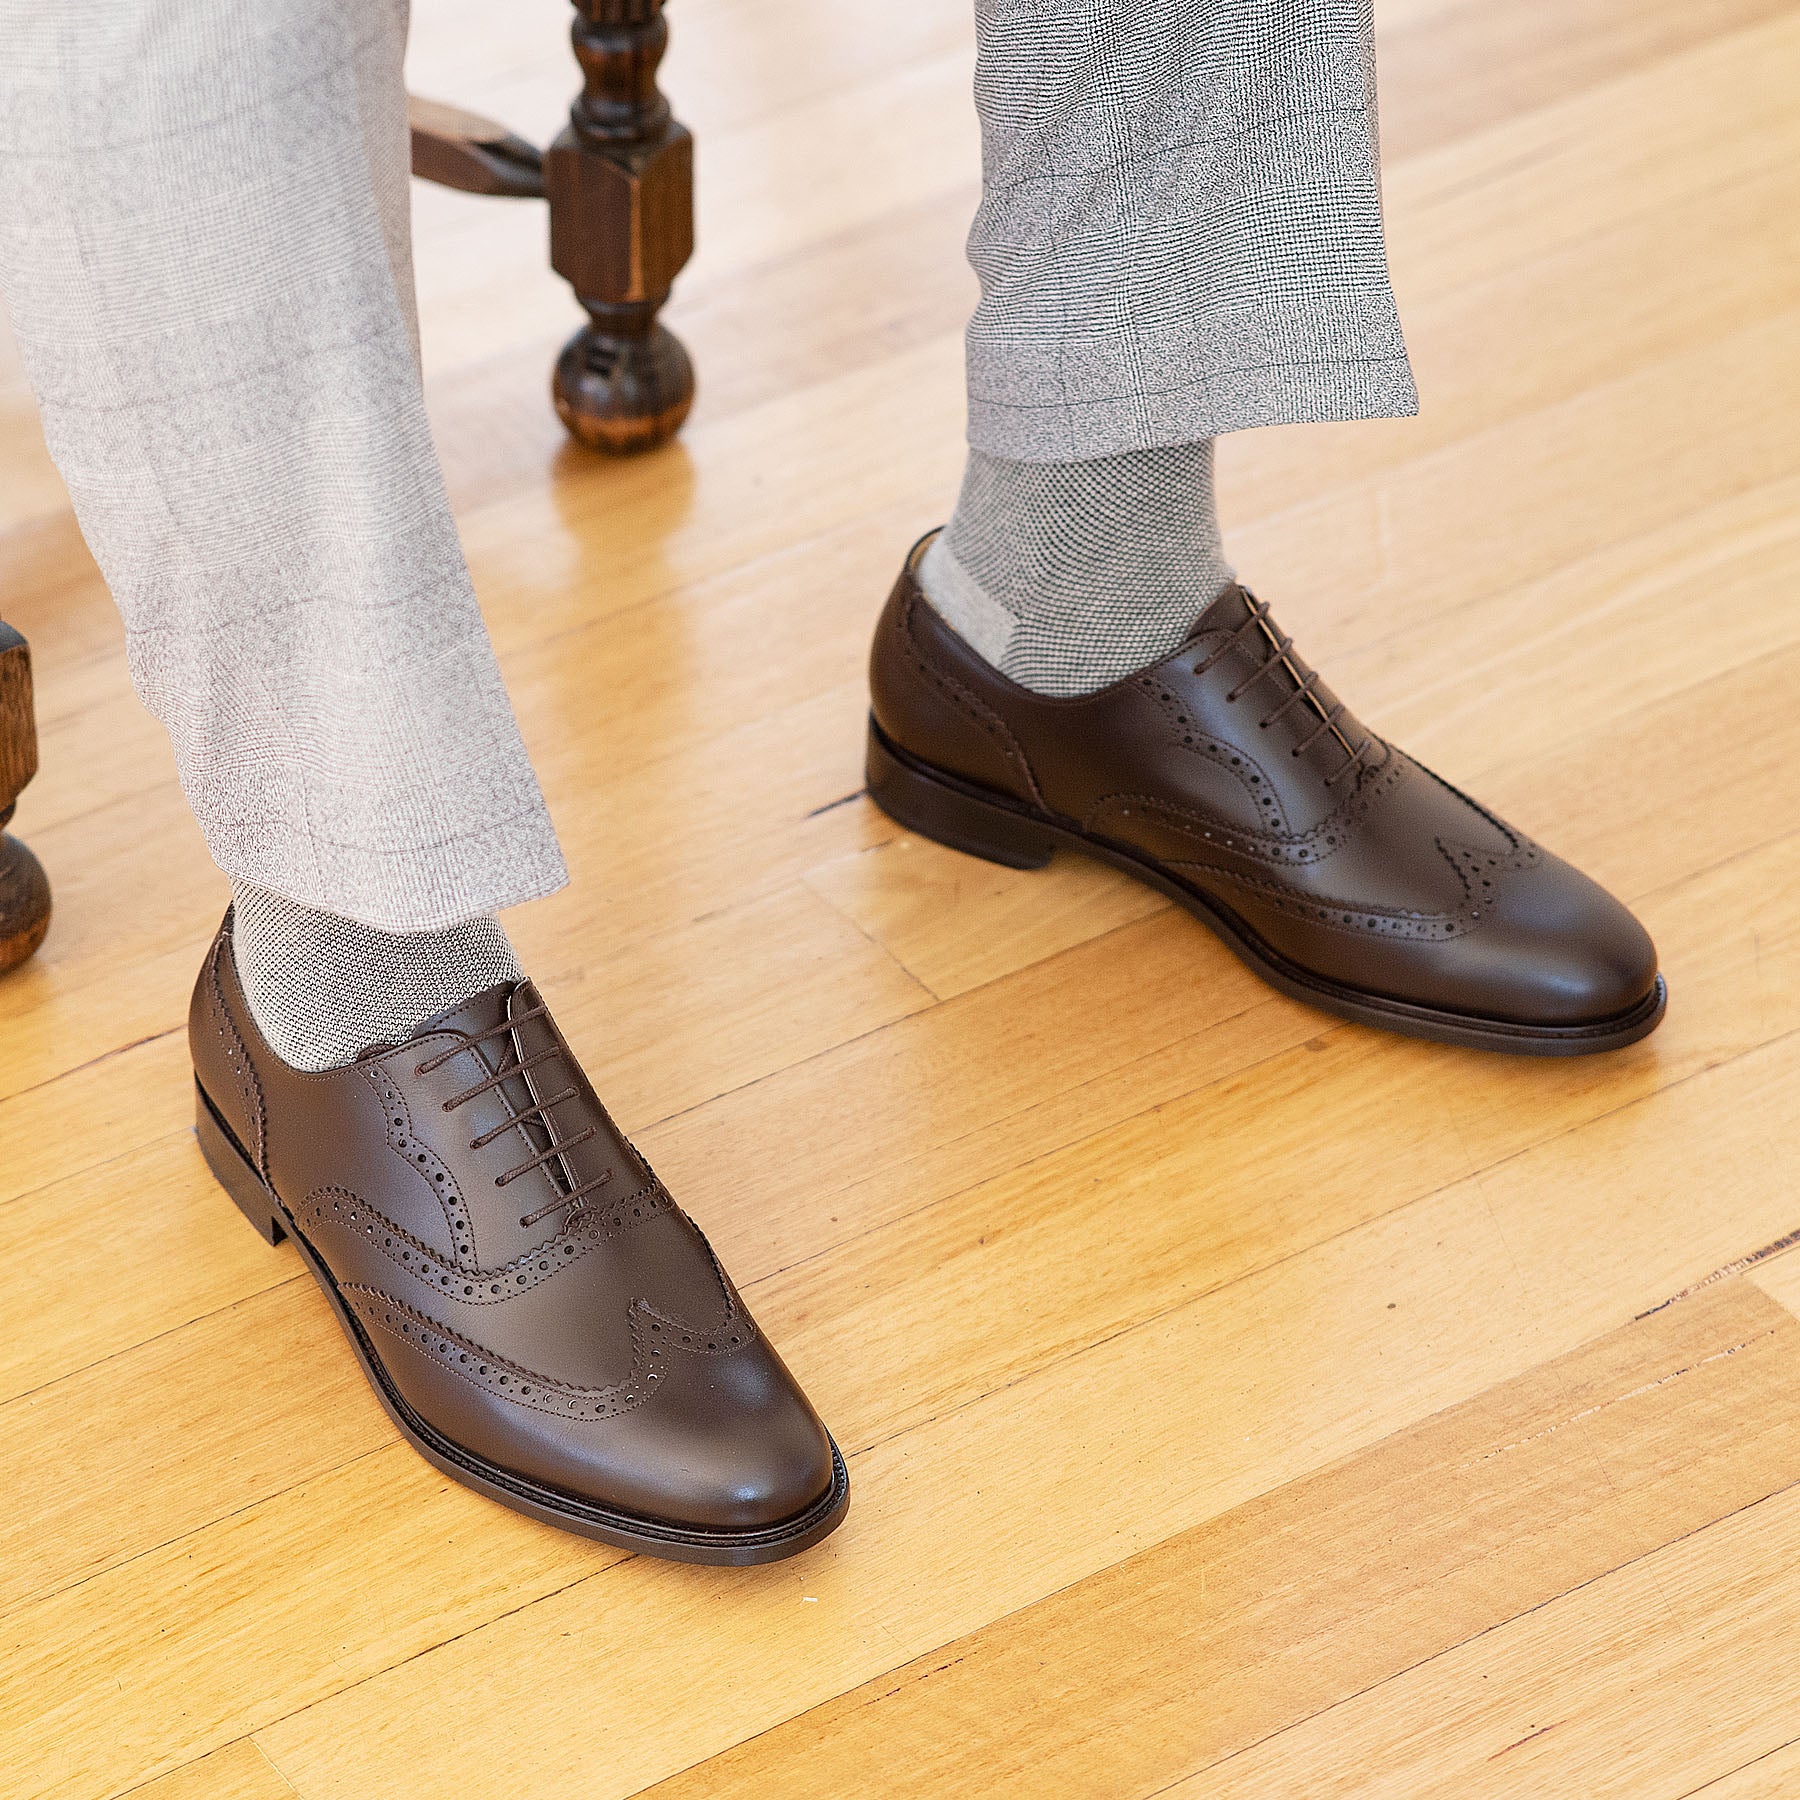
1066	576
323	989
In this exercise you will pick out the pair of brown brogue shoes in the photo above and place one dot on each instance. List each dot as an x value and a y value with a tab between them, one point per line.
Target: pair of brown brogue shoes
537	1315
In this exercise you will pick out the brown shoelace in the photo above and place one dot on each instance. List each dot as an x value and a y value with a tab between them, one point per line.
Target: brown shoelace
520	1065
1305	689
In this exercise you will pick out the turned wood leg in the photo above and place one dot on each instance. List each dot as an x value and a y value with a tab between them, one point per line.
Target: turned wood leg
24	893
620	184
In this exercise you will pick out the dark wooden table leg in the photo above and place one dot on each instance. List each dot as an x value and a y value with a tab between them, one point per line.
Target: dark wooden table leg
24	893
620	183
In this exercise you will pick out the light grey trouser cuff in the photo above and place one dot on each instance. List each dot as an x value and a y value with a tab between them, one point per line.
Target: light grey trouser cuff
204	249
1180	230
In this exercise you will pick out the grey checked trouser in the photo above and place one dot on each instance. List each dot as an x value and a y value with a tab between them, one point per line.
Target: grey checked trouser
204	252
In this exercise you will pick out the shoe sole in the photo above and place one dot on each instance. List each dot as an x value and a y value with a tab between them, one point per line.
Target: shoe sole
981	823
232	1169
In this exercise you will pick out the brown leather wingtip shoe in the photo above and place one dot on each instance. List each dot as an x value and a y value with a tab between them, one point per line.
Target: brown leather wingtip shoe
1231	779
533	1310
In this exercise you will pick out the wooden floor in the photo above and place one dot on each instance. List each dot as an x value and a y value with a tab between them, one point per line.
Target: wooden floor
1238	1403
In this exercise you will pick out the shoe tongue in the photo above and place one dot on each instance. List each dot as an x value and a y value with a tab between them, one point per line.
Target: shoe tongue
1225	612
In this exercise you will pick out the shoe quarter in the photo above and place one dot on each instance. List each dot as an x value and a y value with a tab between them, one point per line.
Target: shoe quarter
1104	756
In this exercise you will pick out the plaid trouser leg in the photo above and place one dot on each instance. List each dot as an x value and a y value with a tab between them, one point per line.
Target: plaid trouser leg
204	251
1180	231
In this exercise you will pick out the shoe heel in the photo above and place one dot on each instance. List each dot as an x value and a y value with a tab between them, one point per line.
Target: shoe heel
912	797
232	1171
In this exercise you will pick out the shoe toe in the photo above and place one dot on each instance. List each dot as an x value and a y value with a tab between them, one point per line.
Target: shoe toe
1561	950
726	1443
754	1452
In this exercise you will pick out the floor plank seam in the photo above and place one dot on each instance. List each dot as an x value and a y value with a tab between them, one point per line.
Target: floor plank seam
156	1337
92	1062
1474	1637
171	1136
862	1449
628	1556
1310	1325
1724	1273
1637	1393
1387	476
1310	1248
936	1651
889	1221
248	1739
1729	1774
933	998
45	1596
1187	1300
1743	853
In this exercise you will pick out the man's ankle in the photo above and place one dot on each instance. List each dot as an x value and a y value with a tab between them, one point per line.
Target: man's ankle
324	988
1069	576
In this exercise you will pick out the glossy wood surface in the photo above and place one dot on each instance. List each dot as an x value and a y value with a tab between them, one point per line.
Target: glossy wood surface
1238	1402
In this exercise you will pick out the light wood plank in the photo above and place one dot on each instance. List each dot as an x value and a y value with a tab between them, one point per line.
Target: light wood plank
1218	1638
1574	1699
1449	68
956	923
1449	206
206	1638
116	1255
107	1108
179	1432
1771	1776
238	1772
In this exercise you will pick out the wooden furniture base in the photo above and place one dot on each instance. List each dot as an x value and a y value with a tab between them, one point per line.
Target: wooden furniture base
24	891
24	902
619	181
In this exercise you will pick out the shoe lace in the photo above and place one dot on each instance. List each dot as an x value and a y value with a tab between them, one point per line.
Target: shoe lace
572	1199
1305	689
